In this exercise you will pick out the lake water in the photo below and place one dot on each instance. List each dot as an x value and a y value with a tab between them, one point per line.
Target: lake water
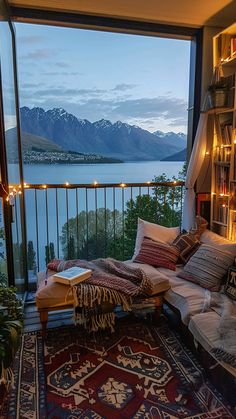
102	173
44	222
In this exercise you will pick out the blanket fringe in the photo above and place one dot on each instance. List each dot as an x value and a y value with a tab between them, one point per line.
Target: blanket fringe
96	322
223	356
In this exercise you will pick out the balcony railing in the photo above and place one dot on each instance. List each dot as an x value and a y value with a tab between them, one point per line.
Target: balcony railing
88	221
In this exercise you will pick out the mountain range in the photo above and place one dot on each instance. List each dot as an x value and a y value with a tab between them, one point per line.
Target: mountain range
118	140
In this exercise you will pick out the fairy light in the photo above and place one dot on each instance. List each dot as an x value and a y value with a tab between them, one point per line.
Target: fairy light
95	183
67	184
207	153
148	182
122	185
44	186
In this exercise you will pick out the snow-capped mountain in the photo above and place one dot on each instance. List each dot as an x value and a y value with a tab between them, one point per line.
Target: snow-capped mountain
119	140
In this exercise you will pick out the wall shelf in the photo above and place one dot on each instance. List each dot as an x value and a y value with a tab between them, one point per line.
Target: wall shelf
223	158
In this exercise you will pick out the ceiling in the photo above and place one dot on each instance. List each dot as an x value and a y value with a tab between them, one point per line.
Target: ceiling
179	12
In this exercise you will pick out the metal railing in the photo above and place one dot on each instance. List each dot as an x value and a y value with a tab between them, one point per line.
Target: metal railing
88	221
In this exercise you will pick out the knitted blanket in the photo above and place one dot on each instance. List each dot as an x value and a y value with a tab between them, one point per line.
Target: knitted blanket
225	346
112	283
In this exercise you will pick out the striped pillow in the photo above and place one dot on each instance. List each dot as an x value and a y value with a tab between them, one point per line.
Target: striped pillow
207	267
158	254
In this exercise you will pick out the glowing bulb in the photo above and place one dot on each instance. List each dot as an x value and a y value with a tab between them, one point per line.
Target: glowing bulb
44	186
122	185
207	153
174	182
148	182
235	141
67	184
95	183
223	205
20	193
221	194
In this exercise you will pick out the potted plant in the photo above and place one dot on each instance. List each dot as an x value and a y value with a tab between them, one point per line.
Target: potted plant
219	94
11	322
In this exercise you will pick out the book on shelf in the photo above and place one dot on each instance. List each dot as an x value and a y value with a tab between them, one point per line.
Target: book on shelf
72	276
222	180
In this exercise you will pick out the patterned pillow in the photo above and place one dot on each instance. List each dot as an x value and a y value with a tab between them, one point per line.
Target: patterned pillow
187	244
158	254
207	267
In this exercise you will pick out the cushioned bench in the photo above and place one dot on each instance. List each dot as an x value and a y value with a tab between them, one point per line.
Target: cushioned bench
53	296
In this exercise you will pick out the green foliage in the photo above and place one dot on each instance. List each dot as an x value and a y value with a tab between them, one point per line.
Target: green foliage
9	300
31	260
49	252
11	315
93	234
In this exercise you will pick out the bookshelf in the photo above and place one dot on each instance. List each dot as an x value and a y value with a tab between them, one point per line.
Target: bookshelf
223	157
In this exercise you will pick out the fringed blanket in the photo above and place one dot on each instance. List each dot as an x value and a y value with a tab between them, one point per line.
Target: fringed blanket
112	283
225	346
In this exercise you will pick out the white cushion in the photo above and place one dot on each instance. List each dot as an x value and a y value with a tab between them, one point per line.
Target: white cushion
154	232
187	297
215	240
204	327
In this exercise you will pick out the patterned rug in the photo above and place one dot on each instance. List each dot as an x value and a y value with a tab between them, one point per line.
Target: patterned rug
140	371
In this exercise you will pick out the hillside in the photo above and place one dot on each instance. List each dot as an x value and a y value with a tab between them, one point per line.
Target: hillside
35	142
39	150
118	140
180	156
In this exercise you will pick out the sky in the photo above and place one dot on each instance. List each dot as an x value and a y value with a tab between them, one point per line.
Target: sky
140	80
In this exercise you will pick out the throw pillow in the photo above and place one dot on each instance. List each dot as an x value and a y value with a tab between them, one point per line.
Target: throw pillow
215	240
199	227
187	244
207	267
157	254
154	232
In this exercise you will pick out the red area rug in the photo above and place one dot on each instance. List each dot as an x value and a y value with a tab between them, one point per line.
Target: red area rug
141	371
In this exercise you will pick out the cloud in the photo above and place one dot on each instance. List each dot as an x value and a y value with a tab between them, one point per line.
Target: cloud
38	54
70	94
63	73
30	39
123	87
62	64
30	85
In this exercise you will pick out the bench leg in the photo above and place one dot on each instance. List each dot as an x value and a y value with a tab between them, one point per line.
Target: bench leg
44	319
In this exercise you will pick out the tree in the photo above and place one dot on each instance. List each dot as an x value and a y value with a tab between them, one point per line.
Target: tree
31	261
95	234
49	252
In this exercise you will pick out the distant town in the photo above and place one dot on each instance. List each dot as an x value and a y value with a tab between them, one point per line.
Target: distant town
63	157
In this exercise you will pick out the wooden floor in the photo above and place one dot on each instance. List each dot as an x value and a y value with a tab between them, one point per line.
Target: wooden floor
55	318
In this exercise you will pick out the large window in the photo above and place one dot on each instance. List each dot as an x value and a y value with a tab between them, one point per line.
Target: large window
112	97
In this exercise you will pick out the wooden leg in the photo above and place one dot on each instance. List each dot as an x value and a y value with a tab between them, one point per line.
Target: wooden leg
44	319
158	309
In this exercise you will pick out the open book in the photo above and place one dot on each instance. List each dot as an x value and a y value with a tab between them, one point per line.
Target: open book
72	276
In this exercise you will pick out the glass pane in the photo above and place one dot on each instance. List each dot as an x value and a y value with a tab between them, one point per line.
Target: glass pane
3	260
11	142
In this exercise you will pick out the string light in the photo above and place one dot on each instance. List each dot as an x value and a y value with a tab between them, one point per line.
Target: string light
122	185
44	186
95	183
67	184
207	153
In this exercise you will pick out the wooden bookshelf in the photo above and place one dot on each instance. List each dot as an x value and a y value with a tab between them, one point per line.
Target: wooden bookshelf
223	156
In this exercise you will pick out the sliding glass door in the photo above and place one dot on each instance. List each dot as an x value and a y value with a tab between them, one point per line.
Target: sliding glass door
11	167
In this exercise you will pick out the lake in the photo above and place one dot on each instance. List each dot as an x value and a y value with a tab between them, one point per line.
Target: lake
103	173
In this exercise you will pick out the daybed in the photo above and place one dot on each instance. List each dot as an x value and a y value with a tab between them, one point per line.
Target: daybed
198	319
